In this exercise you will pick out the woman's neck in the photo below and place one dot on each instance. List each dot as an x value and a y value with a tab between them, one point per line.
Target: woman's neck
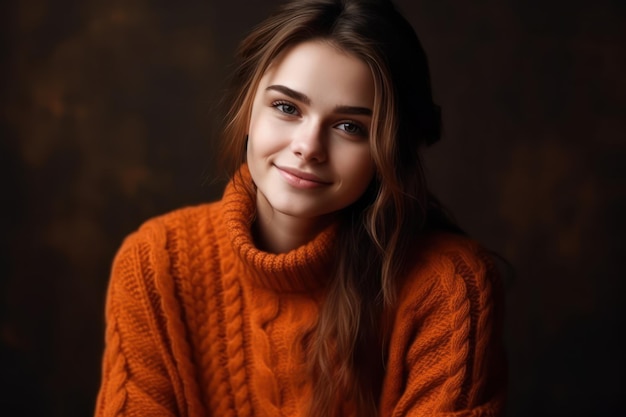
277	232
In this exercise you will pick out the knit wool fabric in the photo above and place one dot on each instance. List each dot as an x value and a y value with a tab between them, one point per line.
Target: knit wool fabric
202	323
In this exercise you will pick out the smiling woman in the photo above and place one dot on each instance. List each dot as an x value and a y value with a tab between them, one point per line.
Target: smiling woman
327	281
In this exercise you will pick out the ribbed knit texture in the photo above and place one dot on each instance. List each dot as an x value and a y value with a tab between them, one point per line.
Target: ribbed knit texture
202	323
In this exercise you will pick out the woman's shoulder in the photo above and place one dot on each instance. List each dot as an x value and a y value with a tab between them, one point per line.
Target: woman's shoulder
189	222
449	266
162	238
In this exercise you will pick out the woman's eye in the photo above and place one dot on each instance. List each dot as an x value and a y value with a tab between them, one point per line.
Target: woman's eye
286	108
351	128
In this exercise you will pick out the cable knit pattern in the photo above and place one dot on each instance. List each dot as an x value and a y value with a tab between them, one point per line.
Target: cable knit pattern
200	323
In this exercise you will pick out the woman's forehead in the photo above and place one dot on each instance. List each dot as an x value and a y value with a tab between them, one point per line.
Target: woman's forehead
321	70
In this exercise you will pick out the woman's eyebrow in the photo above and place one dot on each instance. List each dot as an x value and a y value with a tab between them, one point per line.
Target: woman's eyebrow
296	95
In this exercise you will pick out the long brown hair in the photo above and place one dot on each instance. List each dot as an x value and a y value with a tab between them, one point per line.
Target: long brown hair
376	232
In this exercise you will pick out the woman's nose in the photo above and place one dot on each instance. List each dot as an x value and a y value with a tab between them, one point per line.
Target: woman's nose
309	143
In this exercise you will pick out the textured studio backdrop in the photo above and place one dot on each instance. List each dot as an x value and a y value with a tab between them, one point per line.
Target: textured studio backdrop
109	117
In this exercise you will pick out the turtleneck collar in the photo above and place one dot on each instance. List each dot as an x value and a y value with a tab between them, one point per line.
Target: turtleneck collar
303	269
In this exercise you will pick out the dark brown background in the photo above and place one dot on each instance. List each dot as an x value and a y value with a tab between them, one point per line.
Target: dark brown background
108	119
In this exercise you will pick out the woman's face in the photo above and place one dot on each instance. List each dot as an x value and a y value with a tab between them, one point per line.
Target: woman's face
308	138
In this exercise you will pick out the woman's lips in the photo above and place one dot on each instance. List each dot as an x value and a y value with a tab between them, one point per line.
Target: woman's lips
301	179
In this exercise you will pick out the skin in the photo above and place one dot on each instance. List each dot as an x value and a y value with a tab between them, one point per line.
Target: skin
308	142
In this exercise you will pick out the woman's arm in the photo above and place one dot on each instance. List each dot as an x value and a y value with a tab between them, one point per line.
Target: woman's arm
139	376
446	356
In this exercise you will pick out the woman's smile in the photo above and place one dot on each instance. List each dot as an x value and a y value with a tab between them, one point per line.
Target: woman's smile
300	179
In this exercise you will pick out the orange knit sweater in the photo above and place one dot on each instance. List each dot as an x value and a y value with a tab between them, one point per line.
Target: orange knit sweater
201	323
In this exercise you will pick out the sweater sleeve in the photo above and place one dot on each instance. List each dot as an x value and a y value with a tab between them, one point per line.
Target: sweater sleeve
446	355
138	372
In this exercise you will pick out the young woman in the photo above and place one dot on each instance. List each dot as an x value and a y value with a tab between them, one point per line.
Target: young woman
327	281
